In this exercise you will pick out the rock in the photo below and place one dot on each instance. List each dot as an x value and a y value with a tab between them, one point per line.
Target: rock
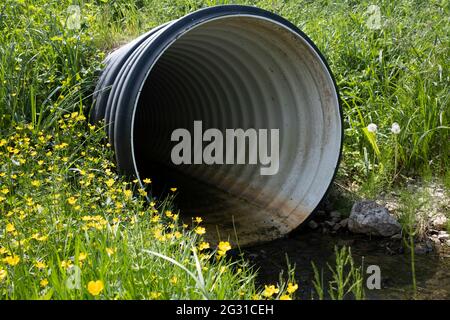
435	239
439	221
397	236
448	243
443	236
368	217
330	224
344	223
335	216
422	248
337	226
312	224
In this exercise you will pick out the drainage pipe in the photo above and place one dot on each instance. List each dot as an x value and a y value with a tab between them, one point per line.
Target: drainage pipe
229	67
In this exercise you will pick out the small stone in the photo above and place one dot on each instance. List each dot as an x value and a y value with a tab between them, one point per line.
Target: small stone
344	223
422	248
435	239
443	236
312	224
439	221
337	226
335	216
447	243
330	223
370	218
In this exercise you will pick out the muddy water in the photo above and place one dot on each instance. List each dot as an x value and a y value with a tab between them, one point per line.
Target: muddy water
432	271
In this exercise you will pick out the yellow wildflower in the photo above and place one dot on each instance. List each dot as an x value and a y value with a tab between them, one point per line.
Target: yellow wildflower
5	190
40	265
12	260
128	193
43	283
10	227
174	280
200	230
292	288
35	183
198	219
147	181
95	287
203	245
285	297
223	247
169	213
270	291
82	256
71	200
109	182
66	264
173	189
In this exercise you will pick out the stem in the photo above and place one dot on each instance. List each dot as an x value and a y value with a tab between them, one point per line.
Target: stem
413	267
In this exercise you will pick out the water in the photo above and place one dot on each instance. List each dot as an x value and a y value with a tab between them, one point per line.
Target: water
432	270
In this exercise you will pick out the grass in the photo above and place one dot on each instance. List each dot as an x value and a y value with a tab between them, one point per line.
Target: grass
346	278
65	223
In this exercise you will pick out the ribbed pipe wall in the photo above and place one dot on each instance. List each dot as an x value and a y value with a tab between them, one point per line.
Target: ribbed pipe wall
245	68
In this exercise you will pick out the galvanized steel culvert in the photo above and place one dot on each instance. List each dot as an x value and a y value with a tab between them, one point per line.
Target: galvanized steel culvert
229	67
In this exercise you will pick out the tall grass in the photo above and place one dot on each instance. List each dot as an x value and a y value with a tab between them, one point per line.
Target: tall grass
396	73
346	278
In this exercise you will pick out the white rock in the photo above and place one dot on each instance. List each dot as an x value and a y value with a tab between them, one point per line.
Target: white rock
443	236
439	221
368	217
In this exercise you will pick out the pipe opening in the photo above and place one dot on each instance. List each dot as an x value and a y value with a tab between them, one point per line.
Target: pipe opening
241	72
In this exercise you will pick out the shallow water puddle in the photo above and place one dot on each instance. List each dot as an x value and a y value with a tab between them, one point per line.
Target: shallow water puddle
432	271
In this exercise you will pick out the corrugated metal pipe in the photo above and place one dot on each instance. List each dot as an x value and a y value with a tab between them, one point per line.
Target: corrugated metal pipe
226	67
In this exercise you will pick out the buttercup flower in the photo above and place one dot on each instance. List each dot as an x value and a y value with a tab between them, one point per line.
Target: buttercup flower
198	219
285	297
270	291
10	227
203	246
71	200
200	230
12	260
95	287
223	247
292	288
43	283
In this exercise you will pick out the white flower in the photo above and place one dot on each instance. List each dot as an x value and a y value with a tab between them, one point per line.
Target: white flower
395	128
372	127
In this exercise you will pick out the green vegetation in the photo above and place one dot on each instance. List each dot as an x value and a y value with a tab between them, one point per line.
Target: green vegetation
346	278
62	206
